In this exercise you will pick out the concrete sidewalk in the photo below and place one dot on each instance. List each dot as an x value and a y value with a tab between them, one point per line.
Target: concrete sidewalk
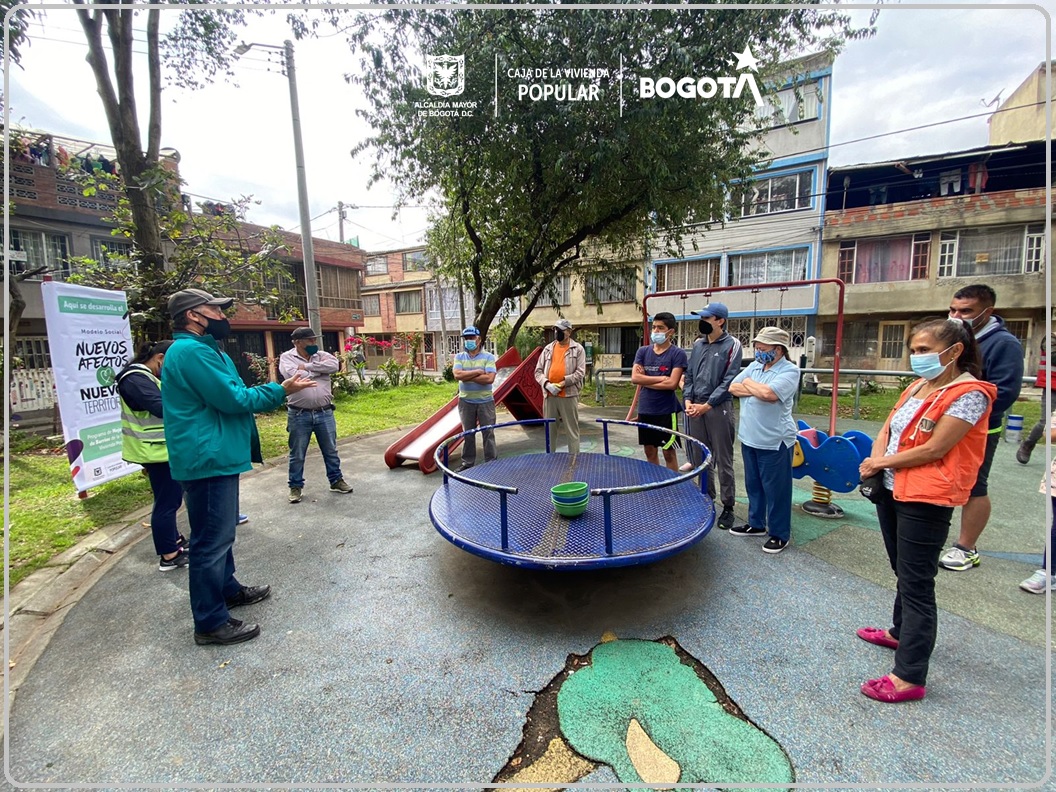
388	655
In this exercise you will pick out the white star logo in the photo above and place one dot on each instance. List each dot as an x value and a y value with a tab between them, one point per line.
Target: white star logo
746	60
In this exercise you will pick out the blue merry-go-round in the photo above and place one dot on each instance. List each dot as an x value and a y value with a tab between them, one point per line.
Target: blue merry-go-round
637	512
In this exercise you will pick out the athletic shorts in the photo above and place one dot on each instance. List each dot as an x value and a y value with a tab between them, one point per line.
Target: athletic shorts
984	469
655	437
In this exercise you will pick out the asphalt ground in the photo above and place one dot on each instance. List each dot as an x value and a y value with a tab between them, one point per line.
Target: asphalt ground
387	655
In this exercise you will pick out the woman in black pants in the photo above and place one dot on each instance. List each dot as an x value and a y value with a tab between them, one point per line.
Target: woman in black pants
143	442
929	452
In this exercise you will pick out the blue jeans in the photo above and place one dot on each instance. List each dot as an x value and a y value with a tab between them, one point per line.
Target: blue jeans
914	535
212	510
768	481
168	495
302	424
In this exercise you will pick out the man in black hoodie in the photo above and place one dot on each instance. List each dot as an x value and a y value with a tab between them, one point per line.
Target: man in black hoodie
1003	366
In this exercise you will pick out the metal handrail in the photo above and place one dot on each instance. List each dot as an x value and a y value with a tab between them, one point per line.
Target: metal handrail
443	447
599	381
705	460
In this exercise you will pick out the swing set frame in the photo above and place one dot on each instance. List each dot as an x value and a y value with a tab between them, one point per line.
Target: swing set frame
783	286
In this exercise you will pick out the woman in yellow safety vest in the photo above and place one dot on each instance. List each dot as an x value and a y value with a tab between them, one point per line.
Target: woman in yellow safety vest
143	442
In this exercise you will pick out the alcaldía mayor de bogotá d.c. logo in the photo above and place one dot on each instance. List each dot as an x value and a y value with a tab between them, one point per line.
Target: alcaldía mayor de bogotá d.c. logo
447	74
706	87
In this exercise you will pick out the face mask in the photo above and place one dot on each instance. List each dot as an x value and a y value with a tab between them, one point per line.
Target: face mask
311	349
704	327
976	322
764	357
219	329
658	338
471	345
928	365
559	335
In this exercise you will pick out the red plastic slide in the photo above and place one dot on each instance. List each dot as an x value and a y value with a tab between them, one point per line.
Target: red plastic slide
515	387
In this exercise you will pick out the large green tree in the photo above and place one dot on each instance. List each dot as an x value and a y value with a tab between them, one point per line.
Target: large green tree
530	189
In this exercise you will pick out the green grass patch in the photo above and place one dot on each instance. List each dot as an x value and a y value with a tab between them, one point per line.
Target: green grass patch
47	517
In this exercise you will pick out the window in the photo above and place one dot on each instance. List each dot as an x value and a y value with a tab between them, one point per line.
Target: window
34	352
563	284
785	107
415	261
377	265
696	274
859	340
371	305
338	287
769	266
884	260
408	302
1020	328
39	249
111	252
893	341
612	287
981	252
1035	248
377	346
777	194
609	340
434	293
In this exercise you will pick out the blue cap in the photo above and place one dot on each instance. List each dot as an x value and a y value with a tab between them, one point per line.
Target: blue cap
470	331
715	309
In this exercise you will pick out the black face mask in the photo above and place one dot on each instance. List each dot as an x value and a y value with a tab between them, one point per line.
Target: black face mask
705	328
219	329
559	335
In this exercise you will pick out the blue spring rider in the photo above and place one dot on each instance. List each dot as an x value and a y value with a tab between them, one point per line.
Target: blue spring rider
832	462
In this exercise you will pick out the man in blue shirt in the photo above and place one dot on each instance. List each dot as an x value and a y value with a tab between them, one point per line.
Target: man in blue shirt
767	433
474	369
657	370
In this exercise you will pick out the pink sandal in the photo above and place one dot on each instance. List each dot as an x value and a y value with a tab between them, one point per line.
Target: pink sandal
883	689
875	635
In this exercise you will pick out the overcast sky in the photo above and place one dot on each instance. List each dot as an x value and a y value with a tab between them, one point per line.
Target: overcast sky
924	66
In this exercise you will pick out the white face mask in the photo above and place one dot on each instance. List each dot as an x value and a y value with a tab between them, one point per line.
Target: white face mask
658	338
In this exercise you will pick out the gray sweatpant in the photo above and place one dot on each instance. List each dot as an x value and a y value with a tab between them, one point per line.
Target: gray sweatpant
716	430
474	414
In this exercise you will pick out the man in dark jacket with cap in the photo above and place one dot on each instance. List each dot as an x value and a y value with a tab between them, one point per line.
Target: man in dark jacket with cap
208	425
713	363
312	411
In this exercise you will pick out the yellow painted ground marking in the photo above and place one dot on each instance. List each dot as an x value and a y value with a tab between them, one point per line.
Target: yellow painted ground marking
650	762
557	765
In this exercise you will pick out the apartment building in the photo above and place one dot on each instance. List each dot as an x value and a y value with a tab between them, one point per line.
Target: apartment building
52	222
905	235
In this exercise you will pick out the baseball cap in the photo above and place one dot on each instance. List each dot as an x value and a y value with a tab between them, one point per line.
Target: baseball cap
303	332
470	331
773	335
187	299
715	309
563	324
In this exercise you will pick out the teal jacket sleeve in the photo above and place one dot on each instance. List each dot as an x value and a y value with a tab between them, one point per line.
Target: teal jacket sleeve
222	389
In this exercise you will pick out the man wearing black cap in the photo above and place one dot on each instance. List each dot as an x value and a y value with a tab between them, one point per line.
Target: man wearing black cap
713	363
208	425
312	411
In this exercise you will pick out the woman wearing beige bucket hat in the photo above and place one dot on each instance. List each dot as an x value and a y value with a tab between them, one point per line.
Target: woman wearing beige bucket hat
767	433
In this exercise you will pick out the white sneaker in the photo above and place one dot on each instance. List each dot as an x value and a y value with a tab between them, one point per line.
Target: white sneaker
958	560
1036	583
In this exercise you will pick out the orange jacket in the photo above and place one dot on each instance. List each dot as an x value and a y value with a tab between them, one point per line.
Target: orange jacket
946	481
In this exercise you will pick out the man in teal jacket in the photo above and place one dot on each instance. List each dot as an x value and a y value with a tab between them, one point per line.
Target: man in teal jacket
208	426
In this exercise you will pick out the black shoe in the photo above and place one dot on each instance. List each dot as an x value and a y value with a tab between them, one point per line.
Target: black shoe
746	530
247	595
726	519
232	632
774	545
464	467
178	561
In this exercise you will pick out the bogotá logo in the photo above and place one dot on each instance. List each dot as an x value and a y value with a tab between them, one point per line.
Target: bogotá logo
706	87
447	74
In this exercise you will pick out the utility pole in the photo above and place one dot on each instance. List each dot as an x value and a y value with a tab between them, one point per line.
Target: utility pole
311	280
340	221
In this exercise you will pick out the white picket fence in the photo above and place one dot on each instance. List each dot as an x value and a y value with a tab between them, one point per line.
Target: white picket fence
32	389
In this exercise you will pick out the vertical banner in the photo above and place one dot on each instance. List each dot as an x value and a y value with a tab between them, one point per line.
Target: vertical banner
90	341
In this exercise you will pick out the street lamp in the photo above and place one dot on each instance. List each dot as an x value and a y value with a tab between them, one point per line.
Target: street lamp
311	280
